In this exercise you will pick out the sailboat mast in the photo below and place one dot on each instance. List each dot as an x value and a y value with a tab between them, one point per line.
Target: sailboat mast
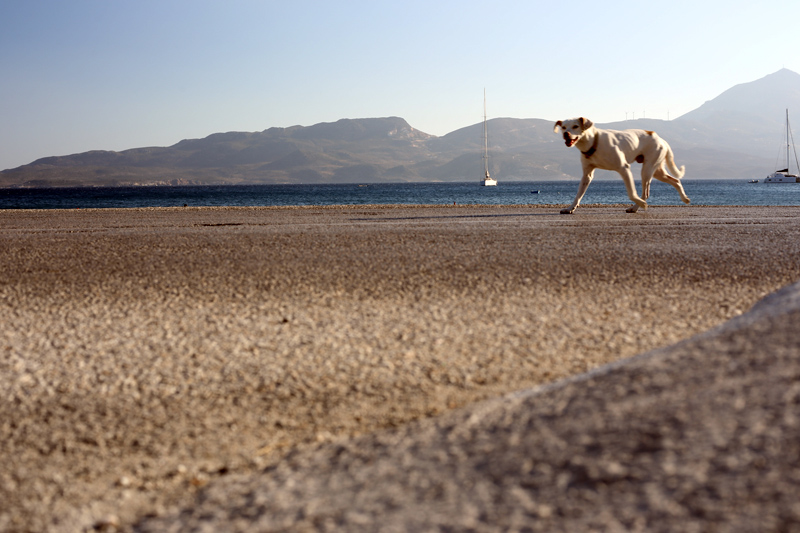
790	140
485	137
787	139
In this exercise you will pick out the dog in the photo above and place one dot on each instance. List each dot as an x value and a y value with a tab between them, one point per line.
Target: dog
616	150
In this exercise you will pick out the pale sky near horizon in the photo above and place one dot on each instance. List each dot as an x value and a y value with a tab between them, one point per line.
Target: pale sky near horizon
85	75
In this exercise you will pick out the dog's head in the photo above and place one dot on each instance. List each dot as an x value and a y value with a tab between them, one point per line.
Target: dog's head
573	129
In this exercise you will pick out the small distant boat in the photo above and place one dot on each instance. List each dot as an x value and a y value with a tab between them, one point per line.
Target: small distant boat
487	179
535	191
753	181
783	176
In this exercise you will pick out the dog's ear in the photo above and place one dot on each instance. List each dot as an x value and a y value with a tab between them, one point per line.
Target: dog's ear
585	123
555	128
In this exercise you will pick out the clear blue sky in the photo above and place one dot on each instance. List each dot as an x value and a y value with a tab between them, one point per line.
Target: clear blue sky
83	75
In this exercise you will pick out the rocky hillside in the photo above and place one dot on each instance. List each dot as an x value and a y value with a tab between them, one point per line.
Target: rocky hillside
738	134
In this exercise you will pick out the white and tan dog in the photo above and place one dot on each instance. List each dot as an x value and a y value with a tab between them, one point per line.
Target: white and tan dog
616	150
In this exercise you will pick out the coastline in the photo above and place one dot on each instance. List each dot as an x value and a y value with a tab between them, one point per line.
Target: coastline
150	353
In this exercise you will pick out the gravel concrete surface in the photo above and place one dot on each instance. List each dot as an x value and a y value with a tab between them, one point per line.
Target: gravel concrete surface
701	436
153	361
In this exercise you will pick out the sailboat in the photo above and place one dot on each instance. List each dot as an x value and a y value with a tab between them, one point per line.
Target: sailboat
783	176
487	179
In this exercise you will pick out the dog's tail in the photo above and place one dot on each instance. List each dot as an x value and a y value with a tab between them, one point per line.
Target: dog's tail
677	172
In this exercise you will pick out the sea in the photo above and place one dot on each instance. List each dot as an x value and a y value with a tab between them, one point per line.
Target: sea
702	192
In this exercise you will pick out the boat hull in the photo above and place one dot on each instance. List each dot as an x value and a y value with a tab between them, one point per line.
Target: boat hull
780	177
489	183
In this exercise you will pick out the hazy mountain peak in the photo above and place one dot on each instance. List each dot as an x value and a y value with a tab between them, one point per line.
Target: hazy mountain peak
764	100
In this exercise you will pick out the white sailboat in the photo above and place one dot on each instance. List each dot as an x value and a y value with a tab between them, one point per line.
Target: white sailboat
487	179
783	176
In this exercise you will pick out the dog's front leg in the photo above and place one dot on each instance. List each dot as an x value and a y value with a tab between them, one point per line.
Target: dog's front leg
585	181
627	178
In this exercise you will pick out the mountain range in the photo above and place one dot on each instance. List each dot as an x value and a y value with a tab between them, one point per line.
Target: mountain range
738	134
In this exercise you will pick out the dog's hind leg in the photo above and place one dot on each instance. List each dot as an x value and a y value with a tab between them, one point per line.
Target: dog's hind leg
627	178
661	175
650	166
585	181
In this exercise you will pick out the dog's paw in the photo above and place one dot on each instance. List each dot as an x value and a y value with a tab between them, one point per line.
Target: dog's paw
567	211
686	200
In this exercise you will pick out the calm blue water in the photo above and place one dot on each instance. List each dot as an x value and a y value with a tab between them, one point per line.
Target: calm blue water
702	192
